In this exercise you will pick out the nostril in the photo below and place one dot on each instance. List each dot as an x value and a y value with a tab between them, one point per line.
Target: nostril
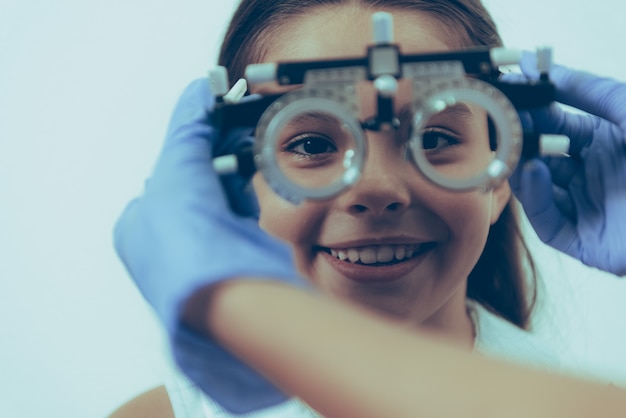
394	206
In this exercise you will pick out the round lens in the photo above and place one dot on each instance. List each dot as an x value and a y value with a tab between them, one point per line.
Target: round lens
466	134
311	146
314	149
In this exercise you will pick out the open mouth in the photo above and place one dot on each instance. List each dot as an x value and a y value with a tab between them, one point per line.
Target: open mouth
379	255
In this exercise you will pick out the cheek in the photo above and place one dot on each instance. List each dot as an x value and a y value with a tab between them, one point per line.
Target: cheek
469	219
293	224
474	211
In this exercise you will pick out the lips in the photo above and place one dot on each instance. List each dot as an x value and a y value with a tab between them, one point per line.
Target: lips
379	254
377	263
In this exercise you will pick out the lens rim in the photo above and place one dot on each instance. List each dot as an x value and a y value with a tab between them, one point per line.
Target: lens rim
280	113
509	134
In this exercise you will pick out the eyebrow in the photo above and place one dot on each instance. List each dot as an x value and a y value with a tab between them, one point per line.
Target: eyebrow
314	116
404	115
268	89
460	110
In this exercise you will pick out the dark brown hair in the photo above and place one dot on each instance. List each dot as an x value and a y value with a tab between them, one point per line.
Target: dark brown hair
504	278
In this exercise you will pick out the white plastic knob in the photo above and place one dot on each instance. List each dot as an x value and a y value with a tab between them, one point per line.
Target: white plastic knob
555	145
225	164
261	73
386	85
218	80
505	56
382	23
544	59
235	94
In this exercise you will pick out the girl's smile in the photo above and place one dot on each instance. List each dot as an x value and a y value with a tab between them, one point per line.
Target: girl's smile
376	263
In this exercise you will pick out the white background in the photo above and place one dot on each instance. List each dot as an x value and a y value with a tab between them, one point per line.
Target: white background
86	89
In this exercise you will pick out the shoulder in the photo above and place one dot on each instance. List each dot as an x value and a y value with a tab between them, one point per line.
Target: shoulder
497	337
180	398
154	403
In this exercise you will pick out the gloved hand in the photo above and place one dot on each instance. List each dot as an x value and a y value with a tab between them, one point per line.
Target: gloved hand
181	235
578	205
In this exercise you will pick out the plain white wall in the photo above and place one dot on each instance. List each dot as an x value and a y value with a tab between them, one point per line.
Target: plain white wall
86	89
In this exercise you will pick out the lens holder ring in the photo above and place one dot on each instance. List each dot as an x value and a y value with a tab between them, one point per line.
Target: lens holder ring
278	115
444	93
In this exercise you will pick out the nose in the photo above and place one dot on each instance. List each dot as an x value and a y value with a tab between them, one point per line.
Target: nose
383	189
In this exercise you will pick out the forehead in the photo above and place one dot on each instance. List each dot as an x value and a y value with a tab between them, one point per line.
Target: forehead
346	31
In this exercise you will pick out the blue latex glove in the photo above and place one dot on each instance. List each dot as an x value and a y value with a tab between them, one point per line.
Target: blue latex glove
181	235
578	205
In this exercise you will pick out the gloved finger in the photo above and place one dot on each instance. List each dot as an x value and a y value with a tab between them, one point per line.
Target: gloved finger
556	120
563	169
528	65
535	187
123	226
241	195
536	196
184	170
192	109
526	120
561	172
600	96
565	203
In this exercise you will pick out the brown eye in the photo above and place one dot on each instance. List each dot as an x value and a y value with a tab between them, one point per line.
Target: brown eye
435	140
311	145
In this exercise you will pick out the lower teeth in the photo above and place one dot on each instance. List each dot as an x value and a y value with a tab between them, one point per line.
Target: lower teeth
380	263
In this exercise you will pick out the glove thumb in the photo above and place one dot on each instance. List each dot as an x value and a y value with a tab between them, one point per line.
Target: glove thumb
536	196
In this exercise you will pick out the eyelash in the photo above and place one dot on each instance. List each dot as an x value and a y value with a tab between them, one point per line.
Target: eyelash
452	140
301	140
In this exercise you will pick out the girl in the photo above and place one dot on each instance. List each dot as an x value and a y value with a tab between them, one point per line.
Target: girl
465	245
459	267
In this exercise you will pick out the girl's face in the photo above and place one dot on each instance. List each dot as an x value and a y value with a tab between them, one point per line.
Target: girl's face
430	238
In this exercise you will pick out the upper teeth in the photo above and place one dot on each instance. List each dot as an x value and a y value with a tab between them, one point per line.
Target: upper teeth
375	254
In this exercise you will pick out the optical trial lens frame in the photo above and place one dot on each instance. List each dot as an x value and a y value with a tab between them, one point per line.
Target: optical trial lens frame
384	59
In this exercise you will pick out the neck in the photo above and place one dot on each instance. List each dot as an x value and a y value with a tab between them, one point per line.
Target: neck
453	322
